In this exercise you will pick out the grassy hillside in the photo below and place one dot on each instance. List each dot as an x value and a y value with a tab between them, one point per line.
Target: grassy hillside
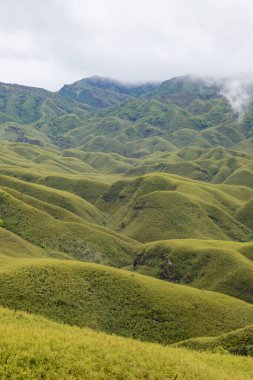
181	112
210	164
34	161
98	114
88	189
117	301
75	237
214	165
13	246
33	347
239	342
244	214
102	92
38	113
213	265
62	199
77	212
159	207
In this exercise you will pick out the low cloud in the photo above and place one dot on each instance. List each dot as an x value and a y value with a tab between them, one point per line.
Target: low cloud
238	92
53	42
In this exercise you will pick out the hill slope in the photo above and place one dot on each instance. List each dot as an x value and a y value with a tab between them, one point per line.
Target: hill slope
206	264
14	246
159	207
239	342
80	239
101	92
83	353
99	114
117	301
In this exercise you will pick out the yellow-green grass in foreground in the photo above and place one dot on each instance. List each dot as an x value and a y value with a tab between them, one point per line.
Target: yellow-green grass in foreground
117	301
33	347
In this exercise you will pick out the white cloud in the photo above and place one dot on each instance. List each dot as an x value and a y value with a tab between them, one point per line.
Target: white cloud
238	92
51	42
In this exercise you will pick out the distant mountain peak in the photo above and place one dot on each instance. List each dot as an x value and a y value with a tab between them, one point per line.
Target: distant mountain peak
101	80
100	92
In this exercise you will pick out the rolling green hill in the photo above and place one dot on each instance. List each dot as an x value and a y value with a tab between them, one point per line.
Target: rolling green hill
99	114
117	301
206	264
36	116
14	246
53	228
160	207
239	342
33	347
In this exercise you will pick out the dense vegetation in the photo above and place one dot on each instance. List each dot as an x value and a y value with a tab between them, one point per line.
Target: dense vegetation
33	348
118	302
206	264
239	342
97	114
126	209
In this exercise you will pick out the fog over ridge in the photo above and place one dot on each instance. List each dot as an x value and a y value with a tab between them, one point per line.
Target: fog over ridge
49	43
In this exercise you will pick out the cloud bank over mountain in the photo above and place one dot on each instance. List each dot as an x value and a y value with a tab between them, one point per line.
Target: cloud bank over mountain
54	42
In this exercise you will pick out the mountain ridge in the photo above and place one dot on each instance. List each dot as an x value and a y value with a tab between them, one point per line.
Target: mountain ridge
131	120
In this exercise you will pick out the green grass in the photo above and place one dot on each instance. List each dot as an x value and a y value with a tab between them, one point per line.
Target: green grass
213	265
244	214
13	246
39	224
59	198
97	114
33	347
70	168
242	177
160	207
118	301
238	342
87	189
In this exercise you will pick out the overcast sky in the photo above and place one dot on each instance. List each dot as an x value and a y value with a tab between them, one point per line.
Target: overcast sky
48	43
